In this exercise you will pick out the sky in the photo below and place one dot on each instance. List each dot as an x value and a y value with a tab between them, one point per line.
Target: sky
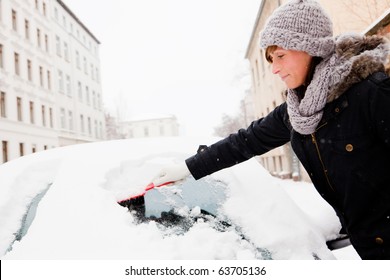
180	57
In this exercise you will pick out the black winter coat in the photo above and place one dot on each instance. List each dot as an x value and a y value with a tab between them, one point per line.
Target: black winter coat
347	158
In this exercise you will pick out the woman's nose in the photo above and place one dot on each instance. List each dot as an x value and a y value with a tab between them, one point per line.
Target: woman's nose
275	68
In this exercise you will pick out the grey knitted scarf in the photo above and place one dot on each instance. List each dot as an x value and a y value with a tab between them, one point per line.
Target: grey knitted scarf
354	59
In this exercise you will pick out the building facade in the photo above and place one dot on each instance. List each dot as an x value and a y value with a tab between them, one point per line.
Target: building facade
49	78
152	126
268	91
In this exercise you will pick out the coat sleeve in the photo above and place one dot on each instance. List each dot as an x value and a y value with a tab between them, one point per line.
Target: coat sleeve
260	137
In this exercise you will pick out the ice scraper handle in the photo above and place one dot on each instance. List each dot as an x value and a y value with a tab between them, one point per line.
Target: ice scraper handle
148	187
152	185
171	173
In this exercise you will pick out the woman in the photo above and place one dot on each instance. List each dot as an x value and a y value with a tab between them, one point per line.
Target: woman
336	116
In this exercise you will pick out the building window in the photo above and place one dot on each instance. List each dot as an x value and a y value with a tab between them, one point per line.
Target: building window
46	43
21	149
89	126
43	110
146	131
32	119
14	20
48	80
85	65
44	9
97	75
19	108
98	102
96	129
38	37
2	105
34	148
77	59
68	86
5	151
29	70
92	76
94	99
36	4
63	118
41	76
281	163
70	114
87	96
27	29
82	124
16	62
80	91
51	117
66	51
58	46
60	81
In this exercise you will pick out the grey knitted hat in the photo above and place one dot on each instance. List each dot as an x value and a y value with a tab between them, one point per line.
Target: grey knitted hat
300	25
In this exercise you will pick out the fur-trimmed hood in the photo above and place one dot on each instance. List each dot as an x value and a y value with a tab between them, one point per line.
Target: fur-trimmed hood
356	57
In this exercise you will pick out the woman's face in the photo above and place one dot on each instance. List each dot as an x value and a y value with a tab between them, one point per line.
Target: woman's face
291	66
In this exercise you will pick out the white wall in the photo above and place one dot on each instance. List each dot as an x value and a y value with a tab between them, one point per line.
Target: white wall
152	127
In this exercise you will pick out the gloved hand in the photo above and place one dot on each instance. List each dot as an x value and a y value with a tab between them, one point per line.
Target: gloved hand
171	173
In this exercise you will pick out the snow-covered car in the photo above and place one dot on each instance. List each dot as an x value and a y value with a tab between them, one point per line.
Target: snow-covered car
63	204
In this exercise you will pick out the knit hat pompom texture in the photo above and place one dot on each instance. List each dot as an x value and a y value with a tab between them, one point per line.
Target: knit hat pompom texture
300	25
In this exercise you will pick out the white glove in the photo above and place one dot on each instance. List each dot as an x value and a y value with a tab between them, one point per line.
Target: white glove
171	173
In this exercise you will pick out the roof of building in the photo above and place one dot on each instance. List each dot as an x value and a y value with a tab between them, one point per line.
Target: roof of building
150	117
254	29
77	20
382	21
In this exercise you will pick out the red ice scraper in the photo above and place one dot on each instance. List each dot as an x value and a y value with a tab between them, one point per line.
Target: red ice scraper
138	200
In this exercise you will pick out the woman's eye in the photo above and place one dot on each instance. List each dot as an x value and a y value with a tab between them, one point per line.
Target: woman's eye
280	56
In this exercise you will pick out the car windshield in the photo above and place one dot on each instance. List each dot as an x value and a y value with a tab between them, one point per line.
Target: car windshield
206	194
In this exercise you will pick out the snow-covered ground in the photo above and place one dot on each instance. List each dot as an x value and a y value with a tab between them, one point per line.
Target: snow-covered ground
78	218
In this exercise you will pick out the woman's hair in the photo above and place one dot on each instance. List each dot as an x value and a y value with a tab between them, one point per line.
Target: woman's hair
268	51
313	64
